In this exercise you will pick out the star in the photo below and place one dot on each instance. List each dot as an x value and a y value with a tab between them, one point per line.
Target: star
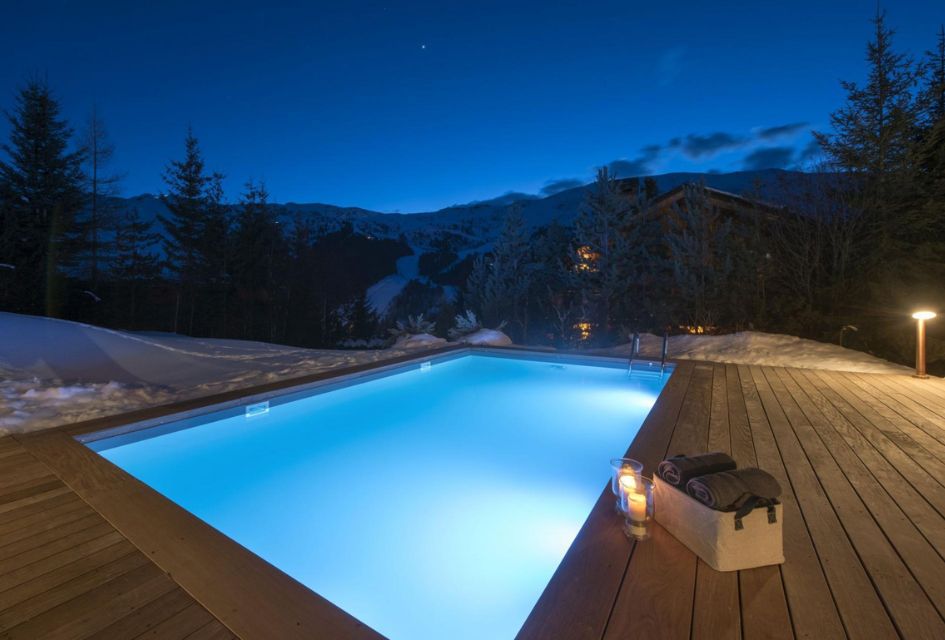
423	46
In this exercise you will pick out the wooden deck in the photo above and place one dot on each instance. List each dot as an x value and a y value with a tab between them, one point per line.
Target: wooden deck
65	572
861	460
87	551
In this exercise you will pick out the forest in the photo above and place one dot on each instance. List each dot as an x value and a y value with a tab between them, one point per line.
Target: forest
848	255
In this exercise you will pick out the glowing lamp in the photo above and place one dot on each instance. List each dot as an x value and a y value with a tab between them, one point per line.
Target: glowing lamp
920	317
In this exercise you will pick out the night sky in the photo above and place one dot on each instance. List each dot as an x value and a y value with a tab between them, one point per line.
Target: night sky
415	106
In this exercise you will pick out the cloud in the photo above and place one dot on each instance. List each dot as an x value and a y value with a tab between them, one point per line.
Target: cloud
770	133
669	65
557	186
698	146
768	158
810	152
507	198
640	166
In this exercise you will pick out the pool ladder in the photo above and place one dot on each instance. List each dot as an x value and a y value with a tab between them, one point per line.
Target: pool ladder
635	352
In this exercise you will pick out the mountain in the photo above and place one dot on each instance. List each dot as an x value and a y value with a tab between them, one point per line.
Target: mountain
471	228
475	225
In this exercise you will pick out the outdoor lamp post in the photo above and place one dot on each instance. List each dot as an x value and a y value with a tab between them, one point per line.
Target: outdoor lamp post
921	317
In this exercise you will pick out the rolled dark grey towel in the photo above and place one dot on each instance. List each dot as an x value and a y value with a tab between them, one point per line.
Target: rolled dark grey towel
678	470
728	490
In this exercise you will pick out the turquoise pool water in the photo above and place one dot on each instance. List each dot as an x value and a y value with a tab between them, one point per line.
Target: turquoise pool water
430	504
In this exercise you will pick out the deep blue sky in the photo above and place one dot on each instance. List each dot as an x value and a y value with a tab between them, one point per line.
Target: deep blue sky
414	106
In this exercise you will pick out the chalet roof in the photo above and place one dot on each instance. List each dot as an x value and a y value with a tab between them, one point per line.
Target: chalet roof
716	194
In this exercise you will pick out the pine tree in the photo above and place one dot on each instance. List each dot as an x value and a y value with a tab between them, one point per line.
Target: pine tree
498	286
700	250
133	263
362	320
100	186
258	249
873	132
601	254
40	187
185	227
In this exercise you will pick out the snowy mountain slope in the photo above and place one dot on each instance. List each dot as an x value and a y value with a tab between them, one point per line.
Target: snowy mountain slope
478	223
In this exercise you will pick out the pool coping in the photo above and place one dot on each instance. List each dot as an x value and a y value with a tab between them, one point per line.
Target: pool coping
251	597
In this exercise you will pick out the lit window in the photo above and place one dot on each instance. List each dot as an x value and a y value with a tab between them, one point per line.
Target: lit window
583	329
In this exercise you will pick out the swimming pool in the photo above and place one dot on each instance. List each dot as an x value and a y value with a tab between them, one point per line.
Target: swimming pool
435	501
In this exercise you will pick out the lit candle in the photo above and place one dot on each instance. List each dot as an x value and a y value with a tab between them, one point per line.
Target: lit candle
636	506
628	485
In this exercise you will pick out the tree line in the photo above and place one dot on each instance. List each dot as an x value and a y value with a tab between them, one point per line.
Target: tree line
856	245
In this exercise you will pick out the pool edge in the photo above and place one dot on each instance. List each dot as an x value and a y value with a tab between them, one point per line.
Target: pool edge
200	558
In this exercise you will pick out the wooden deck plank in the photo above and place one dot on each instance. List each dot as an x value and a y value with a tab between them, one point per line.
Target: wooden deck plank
916	508
42	602
903	566
760	591
212	631
37	523
881	390
891	448
52	580
641	606
859	605
716	612
41	538
146	617
248	595
846	387
96	609
578	601
180	625
812	608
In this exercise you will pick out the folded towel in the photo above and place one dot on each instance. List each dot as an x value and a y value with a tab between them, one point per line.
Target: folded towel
729	490
678	470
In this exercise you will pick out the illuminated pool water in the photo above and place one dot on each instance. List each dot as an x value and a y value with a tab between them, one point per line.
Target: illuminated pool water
430	504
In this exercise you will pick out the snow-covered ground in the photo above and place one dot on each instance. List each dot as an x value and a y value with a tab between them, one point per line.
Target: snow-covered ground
54	372
772	349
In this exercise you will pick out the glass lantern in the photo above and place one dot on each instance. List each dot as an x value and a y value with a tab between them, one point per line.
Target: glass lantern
625	473
639	511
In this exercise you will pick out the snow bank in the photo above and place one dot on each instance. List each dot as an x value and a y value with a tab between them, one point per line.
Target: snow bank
54	372
772	349
487	337
419	341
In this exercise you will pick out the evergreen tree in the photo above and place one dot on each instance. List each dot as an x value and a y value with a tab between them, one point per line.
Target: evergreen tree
601	254
873	140
100	186
40	198
498	287
133	264
362	320
185	229
874	131
700	250
257	264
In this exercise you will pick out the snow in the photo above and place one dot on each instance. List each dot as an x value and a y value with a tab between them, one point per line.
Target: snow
487	337
381	294
753	347
54	372
419	341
